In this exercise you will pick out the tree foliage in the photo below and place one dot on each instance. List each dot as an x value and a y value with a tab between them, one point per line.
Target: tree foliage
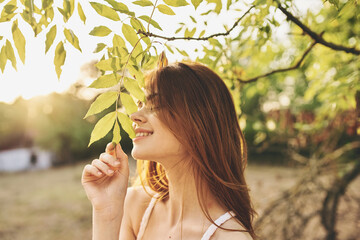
294	75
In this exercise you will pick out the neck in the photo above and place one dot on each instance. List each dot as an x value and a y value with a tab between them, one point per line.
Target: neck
183	200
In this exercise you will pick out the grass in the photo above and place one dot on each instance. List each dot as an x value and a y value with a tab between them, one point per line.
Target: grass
44	205
52	204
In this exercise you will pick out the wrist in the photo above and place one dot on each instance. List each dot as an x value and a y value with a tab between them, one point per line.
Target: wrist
108	213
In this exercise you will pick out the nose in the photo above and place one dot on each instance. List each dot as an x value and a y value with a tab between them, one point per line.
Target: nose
138	117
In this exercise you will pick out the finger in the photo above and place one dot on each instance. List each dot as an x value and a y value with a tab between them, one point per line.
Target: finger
120	153
103	167
91	170
110	148
109	159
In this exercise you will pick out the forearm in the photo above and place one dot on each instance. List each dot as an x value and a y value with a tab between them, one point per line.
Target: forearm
107	223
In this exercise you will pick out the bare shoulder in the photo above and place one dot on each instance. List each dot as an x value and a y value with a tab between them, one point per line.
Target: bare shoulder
231	235
136	202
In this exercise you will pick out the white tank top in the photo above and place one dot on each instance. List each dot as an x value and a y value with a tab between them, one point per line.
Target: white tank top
207	235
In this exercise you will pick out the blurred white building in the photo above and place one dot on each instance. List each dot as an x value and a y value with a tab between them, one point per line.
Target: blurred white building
22	159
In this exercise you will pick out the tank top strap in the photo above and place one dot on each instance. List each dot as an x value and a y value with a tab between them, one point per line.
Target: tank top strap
146	216
222	219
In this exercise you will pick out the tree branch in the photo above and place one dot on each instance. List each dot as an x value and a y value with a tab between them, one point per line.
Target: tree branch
295	66
316	37
149	34
331	201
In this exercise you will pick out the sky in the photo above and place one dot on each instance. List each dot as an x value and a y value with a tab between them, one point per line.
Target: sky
37	76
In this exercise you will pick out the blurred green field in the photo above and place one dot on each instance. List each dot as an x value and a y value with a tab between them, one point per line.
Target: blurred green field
51	204
43	205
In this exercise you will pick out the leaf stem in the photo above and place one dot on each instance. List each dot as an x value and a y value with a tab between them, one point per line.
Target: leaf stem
152	13
123	73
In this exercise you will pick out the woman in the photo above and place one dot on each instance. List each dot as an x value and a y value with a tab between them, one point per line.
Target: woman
194	186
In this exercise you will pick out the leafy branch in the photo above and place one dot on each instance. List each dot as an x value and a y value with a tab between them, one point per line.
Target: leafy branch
315	36
295	66
149	34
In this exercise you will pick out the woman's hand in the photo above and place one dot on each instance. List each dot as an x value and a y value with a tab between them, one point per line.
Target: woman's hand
105	180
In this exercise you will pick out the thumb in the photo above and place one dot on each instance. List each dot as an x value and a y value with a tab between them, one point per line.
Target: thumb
119	153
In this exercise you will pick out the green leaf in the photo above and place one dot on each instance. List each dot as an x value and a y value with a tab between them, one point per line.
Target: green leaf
50	36
193	19
1	37
46	4
72	38
59	59
102	102
136	24
165	9
81	13
179	29
3	58
133	87
118	6
99	47
152	22
116	133
143	3
128	102
137	74
102	127
182	52
190	33
68	6
335	2
129	34
10	53
100	31
176	3
169	48
105	81
202	33
228	4
119	46
206	13
111	64
19	40
105	11
218	5
10	7
126	124
196	3
118	41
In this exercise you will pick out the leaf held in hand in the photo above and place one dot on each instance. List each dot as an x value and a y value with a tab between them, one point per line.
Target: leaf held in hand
128	102
102	102
126	124
102	127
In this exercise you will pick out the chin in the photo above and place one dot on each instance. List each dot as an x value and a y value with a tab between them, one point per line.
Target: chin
139	154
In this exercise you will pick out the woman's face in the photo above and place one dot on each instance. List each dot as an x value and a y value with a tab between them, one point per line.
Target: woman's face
153	140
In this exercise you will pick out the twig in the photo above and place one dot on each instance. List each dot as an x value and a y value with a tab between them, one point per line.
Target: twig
315	36
149	34
295	66
152	13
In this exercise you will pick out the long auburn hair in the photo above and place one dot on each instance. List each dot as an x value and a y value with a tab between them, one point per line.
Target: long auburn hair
195	104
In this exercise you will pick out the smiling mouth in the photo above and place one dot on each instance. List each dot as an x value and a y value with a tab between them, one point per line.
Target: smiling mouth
143	134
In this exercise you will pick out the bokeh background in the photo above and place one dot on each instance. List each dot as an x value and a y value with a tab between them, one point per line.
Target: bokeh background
298	103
